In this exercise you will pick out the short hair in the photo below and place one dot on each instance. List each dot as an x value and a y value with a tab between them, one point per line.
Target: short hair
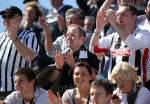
105	83
28	73
79	12
91	19
126	68
83	64
82	33
37	8
131	7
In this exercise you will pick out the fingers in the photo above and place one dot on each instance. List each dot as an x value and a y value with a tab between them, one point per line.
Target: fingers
51	96
58	95
13	28
116	101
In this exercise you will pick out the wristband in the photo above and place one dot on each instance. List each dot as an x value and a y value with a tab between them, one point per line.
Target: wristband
15	40
96	32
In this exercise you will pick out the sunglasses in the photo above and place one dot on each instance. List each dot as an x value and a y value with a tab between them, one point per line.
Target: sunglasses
7	16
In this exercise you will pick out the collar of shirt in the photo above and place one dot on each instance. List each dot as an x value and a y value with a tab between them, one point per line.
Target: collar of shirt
56	11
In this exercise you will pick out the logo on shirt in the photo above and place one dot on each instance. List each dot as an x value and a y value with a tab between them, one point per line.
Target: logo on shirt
120	52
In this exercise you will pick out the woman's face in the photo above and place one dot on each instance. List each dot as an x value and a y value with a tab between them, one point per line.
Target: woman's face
124	81
81	77
30	14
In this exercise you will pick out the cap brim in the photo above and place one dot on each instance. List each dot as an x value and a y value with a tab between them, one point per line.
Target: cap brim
5	11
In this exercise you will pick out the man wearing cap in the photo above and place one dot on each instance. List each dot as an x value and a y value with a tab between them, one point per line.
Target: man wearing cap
17	48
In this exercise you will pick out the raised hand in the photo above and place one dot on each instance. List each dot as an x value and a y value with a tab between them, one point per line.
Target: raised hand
53	98
59	59
69	59
61	22
12	29
111	15
44	24
100	20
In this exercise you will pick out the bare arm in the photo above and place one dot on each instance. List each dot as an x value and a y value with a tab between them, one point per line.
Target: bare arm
48	41
100	22
24	50
59	61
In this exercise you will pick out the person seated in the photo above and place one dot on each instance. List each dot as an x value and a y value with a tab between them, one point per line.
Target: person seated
27	92
66	60
128	90
100	92
80	94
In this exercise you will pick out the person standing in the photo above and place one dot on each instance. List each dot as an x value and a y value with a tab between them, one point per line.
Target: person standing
17	47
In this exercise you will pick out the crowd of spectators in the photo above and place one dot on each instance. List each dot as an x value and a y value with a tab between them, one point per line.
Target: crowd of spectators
95	54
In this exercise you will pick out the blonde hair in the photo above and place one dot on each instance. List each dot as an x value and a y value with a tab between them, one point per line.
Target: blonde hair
127	69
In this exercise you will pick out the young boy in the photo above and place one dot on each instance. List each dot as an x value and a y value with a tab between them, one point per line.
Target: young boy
101	91
27	92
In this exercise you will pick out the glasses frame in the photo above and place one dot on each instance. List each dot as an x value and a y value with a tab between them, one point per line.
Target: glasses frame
8	16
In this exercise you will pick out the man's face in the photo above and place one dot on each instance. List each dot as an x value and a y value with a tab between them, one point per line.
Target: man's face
74	19
124	17
22	84
147	10
9	19
73	39
98	95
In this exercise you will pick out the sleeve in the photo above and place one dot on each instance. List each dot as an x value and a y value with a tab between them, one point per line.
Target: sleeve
143	96
103	45
31	42
141	40
12	98
57	46
67	96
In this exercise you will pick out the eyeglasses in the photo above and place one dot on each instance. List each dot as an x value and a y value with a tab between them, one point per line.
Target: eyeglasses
7	16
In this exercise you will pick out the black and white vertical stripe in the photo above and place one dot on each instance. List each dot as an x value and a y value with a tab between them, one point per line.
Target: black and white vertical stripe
10	59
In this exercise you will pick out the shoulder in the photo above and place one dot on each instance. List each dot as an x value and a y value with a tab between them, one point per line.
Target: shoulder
41	96
68	95
144	91
24	32
143	96
68	6
13	98
41	91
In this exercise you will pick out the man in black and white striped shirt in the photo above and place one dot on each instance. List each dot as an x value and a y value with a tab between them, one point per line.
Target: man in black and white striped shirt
17	48
129	43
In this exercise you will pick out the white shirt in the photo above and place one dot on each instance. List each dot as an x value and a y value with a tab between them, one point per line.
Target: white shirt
41	97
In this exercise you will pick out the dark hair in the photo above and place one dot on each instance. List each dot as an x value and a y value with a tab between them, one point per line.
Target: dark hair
145	3
105	83
132	8
83	64
28	73
79	12
82	33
